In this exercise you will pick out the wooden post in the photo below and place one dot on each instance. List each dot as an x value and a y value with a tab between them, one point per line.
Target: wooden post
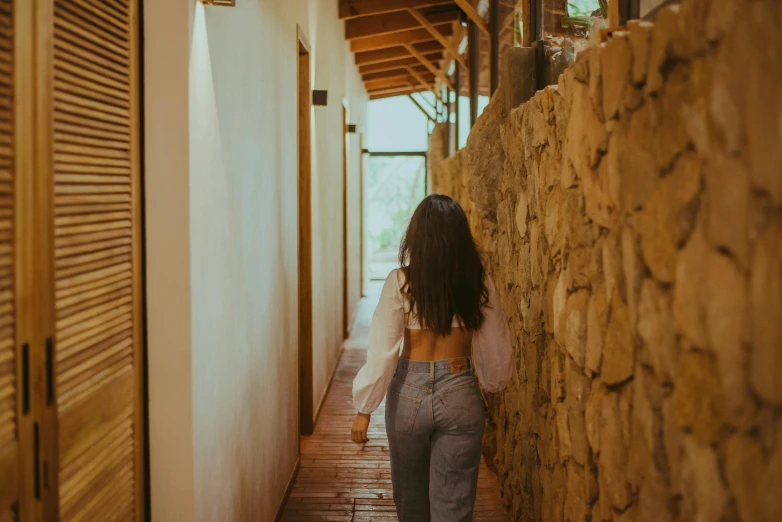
494	45
458	89
447	99
613	13
473	43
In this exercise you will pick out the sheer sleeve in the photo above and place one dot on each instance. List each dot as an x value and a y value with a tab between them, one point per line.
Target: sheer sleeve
491	345
386	334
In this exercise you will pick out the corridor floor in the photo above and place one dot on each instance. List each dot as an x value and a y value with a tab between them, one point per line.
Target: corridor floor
343	481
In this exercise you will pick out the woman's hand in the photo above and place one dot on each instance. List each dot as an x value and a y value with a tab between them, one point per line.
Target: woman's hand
358	433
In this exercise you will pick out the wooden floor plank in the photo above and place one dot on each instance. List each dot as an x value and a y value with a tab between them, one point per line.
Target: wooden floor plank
339	480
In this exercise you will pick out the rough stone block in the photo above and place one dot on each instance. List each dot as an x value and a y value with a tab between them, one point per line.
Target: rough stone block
612	463
669	216
559	302
698	402
576	326
711	497
485	158
726	321
521	214
744	465
596	81
596	320
728	201
762	78
577	392
640	42
631	169
616	62
657	330
576	503
665	29
689	291
766	303
619	349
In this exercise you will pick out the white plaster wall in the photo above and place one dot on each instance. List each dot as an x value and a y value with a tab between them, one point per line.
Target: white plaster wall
243	172
221	238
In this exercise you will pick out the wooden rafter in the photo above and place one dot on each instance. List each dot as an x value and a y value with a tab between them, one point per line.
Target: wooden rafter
421	107
379	96
395	90
438	35
458	34
422	81
373	43
390	83
355	8
473	15
398	73
429	65
395	64
377	25
394	53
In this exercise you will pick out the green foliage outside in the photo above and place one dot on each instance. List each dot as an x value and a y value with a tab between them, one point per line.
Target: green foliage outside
582	7
395	187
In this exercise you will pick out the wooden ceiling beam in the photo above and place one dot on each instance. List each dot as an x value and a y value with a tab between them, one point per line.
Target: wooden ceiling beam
395	53
397	73
380	96
393	22
390	83
373	43
473	15
438	35
355	8
429	65
397	64
396	90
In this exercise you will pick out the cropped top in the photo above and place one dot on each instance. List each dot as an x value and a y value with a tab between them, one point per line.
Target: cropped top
491	344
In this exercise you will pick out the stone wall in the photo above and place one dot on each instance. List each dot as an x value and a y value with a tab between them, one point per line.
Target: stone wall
631	218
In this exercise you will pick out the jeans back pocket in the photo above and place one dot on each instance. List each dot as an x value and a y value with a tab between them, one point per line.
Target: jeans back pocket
465	405
401	411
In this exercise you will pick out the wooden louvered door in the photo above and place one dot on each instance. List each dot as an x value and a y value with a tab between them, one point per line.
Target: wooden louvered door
16	400
91	143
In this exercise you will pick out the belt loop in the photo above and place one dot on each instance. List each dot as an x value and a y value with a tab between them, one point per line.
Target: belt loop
472	366
431	370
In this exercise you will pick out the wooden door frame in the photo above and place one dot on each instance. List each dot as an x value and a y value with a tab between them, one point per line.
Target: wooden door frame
25	262
44	246
304	224
361	211
345	294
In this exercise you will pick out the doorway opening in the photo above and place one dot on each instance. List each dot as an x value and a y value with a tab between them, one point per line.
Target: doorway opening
396	184
306	413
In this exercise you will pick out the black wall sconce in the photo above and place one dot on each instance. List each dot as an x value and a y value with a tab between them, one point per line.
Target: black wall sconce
225	3
352	128
320	98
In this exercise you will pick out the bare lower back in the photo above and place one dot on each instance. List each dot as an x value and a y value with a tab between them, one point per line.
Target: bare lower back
425	345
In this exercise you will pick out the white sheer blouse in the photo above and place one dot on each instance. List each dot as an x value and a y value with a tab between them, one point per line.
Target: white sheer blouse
491	345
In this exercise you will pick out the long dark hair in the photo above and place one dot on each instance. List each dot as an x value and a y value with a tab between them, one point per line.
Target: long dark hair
443	268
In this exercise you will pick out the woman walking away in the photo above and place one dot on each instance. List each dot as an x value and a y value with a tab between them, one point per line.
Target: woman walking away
441	311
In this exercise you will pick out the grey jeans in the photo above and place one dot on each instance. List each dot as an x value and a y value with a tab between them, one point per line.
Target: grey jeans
435	417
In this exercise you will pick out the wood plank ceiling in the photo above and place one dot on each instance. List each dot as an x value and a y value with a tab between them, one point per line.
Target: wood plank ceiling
407	46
